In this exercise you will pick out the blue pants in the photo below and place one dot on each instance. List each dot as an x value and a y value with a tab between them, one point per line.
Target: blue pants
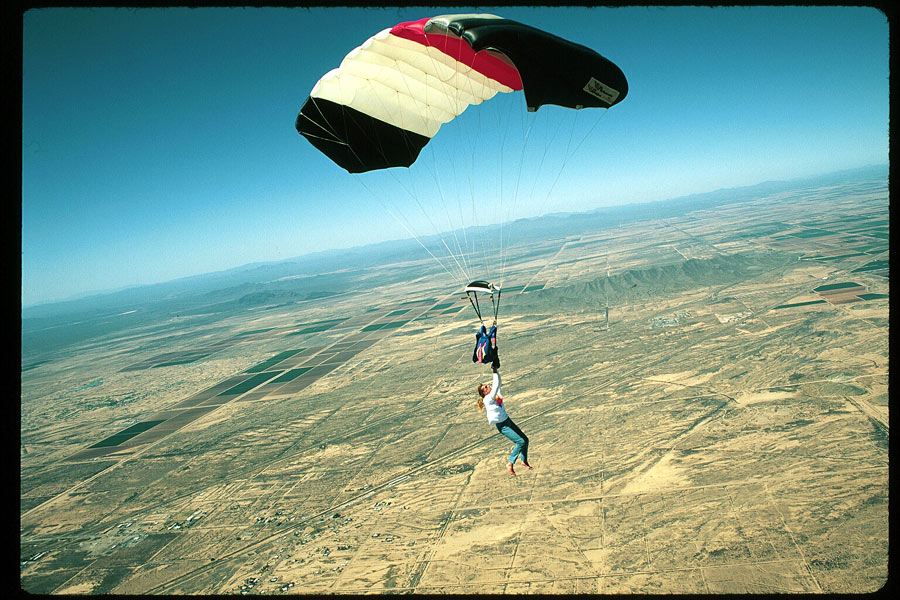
512	431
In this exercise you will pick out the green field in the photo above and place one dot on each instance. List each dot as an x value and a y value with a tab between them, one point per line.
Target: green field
836	286
795	304
249	384
273	361
126	434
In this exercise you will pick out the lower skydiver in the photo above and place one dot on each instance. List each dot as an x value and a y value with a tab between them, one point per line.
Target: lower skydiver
491	401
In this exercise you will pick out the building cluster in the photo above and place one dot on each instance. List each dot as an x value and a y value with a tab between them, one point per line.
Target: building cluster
191	520
248	584
675	319
277	519
735	317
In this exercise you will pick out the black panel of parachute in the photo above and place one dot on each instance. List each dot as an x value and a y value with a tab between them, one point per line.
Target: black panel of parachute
553	70
390	96
356	141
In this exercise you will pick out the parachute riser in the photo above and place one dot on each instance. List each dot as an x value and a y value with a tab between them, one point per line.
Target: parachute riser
496	306
491	290
474	304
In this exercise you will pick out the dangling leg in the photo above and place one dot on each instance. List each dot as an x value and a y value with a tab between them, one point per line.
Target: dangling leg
509	429
523	450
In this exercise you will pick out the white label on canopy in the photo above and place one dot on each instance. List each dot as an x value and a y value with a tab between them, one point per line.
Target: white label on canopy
601	90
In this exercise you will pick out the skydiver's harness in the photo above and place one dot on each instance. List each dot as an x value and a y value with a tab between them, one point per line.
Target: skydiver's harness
485	345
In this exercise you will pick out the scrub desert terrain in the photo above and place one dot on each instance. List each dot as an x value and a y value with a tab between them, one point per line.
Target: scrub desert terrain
705	389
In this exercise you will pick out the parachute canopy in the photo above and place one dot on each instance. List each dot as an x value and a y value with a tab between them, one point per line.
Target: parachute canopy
391	95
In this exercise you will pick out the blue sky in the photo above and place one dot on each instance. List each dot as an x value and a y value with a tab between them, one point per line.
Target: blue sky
159	143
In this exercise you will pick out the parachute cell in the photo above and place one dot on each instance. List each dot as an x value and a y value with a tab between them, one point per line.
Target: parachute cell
391	95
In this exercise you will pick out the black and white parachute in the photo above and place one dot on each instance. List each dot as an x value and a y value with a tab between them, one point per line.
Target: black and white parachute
391	95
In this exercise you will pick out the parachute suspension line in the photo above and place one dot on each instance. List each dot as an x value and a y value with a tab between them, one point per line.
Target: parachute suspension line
458	74
496	306
501	153
470	154
463	276
334	132
567	155
469	148
459	257
377	143
415	197
404	225
510	216
480	232
546	146
472	246
455	259
489	144
479	260
453	155
541	164
588	134
503	216
452	227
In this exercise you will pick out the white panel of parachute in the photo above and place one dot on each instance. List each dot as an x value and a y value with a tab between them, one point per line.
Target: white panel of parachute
391	95
407	83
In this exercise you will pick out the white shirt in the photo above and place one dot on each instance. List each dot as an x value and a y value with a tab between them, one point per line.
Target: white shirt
493	402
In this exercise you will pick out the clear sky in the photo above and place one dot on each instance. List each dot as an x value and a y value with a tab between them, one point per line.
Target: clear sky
159	143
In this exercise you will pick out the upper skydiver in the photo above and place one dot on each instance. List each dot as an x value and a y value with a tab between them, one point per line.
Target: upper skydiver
486	347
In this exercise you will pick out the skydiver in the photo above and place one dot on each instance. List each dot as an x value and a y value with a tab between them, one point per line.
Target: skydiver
486	345
489	398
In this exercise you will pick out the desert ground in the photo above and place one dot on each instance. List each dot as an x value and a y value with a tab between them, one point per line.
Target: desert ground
706	397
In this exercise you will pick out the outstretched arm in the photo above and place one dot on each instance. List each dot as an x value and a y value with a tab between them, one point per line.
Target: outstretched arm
495	388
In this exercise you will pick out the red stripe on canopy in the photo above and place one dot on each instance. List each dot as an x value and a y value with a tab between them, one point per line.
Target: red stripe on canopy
459	50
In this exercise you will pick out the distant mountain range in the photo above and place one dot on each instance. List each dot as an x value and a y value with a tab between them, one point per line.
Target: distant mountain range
321	272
